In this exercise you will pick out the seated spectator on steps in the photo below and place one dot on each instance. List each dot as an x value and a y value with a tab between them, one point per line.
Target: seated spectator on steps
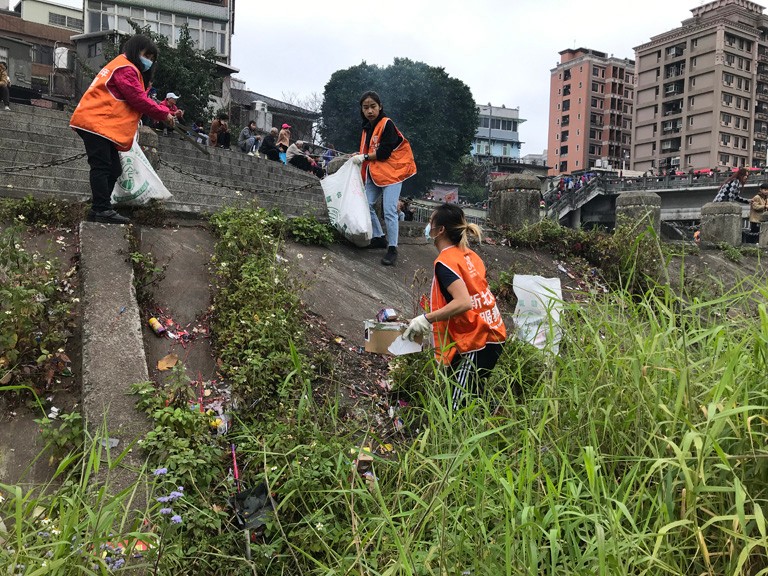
284	138
5	85
269	146
298	157
249	139
197	131
170	102
328	155
219	135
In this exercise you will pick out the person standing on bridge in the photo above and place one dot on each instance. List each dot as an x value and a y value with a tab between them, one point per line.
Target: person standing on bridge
107	118
730	191
465	322
386	161
757	207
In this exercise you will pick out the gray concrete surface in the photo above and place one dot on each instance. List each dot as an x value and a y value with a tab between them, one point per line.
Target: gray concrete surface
113	352
721	222
639	209
184	294
514	209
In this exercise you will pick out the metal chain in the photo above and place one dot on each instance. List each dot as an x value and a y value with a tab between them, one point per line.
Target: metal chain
236	188
52	163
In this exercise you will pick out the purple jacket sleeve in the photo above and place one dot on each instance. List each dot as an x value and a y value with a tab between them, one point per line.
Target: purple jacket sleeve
125	84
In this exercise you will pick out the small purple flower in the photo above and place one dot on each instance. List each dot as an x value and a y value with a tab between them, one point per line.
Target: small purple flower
176	519
180	488
164	499
175	495
160	471
166	511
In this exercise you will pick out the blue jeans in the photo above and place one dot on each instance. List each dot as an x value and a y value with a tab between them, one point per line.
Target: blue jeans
250	145
391	194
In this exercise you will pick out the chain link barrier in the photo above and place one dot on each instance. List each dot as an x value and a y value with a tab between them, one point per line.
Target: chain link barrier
51	164
237	188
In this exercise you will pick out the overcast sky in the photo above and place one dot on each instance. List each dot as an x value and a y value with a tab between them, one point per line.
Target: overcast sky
502	49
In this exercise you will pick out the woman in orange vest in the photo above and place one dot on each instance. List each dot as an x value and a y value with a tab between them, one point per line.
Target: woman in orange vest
107	118
387	160
464	320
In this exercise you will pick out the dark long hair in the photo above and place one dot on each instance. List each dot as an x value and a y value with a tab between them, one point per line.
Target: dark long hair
376	98
738	175
456	226
133	48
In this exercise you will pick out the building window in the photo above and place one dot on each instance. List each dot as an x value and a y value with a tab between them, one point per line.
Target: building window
727	79
94	49
42	54
563	150
726	119
724	159
566	105
564	136
57	19
564	167
725	139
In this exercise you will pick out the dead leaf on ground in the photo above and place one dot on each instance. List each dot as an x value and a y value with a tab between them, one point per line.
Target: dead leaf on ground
167	362
6	378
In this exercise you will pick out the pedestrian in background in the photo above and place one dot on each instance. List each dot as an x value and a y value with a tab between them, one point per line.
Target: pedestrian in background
386	161
249	139
757	207
107	118
730	191
5	86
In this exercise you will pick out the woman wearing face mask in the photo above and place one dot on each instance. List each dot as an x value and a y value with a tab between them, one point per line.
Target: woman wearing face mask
387	161
107	118
464	319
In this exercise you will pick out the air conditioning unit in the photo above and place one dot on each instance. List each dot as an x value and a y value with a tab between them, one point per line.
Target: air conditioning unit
259	105
62	59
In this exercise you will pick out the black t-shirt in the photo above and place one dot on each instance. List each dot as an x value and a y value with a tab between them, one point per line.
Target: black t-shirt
445	277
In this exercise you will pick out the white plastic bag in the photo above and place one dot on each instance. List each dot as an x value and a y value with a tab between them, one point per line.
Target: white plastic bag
139	183
537	314
347	204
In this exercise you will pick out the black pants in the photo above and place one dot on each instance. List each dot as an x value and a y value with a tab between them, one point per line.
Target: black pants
470	369
303	163
272	154
5	96
105	168
224	139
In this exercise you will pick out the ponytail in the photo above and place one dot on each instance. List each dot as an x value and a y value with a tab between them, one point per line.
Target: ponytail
458	230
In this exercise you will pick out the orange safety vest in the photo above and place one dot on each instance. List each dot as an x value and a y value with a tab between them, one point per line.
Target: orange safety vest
103	113
473	329
398	167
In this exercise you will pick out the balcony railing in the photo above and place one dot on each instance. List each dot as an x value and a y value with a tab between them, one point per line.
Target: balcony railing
758	154
761	135
762	57
761	116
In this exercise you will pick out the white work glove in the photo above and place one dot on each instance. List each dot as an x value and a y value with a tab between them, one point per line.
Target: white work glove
358	159
419	326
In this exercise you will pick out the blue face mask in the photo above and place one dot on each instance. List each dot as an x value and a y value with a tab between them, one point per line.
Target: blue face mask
427	230
146	63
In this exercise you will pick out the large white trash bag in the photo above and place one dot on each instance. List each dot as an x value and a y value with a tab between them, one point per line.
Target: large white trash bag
139	183
347	204
537	314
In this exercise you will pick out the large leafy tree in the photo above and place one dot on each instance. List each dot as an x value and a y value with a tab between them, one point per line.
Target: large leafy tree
435	112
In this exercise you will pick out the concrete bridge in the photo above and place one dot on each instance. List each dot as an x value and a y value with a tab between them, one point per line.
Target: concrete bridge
681	198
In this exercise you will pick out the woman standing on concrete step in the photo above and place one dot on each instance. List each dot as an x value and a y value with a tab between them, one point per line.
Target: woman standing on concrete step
107	118
387	161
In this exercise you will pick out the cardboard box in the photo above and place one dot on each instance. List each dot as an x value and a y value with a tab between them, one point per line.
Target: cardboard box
380	335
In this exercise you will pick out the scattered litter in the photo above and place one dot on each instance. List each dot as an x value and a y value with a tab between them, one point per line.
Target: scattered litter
110	442
156	326
167	362
387	315
338	340
6	378
54	413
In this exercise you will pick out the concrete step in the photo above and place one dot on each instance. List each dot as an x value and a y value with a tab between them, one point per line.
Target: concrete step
37	112
172	151
193	196
113	349
79	170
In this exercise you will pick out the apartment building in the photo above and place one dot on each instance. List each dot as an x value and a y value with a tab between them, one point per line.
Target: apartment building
702	91
590	111
211	22
497	134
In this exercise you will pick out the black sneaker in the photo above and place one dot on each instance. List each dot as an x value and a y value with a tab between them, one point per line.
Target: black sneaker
390	257
378	242
108	217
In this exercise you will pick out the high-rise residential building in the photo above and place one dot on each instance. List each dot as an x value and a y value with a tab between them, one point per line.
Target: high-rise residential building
210	22
590	111
497	133
702	91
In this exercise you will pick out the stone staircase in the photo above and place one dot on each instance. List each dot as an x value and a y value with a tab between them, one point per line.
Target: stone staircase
31	136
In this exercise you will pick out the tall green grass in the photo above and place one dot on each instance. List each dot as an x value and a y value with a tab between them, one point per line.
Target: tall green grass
639	450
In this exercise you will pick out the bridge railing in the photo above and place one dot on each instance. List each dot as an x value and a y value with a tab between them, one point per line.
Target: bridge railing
573	199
